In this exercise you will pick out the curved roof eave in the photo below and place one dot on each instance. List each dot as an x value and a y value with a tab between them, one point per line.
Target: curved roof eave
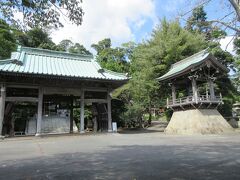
186	69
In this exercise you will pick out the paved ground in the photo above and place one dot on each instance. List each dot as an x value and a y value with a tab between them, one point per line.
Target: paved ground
134	155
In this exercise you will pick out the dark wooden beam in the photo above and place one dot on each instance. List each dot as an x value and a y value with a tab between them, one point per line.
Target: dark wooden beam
21	99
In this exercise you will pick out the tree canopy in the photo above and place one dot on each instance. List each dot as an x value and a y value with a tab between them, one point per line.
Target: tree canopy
169	43
41	13
111	58
7	40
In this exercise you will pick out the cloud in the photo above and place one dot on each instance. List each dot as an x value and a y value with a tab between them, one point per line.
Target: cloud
115	19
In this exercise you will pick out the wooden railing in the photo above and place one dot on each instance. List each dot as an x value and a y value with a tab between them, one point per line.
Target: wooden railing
192	100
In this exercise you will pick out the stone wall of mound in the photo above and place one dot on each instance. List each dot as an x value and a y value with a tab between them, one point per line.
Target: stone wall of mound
198	121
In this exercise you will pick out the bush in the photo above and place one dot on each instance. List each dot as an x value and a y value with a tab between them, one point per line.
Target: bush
168	113
118	109
133	117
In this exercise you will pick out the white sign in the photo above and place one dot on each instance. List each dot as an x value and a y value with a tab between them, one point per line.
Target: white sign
114	127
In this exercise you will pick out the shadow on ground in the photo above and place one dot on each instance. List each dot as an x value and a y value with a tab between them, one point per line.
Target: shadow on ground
156	126
138	131
218	161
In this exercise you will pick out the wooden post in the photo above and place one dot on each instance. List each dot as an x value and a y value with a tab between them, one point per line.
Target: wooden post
82	113
71	115
194	89
39	113
173	93
207	93
2	106
211	88
109	109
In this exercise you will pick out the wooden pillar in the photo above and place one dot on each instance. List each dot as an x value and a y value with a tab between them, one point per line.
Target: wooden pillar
39	113
2	106
194	90
211	88
173	93
82	113
109	110
71	115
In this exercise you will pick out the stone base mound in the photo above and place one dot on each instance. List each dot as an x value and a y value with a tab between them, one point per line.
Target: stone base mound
198	121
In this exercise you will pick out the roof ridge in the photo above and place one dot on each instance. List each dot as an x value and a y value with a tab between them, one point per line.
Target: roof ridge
53	52
113	72
188	58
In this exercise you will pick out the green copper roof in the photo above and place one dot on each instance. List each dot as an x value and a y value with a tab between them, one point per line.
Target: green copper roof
187	64
54	63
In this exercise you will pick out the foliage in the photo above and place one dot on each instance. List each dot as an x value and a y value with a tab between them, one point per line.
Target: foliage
118	108
229	21
198	23
7	40
68	46
114	59
87	116
229	93
39	38
79	49
65	44
236	80
41	13
133	117
169	43
35	37
223	56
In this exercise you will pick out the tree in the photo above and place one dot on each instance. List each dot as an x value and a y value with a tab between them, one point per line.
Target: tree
102	45
65	44
198	20
198	23
236	6
42	13
237	64
34	38
114	59
234	14
169	43
79	49
7	40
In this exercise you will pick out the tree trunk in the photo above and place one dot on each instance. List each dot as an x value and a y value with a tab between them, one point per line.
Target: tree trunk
150	117
236	6
150	114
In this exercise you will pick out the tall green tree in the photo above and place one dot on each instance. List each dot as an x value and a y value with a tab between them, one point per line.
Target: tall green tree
35	37
168	44
114	59
198	23
65	44
7	40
